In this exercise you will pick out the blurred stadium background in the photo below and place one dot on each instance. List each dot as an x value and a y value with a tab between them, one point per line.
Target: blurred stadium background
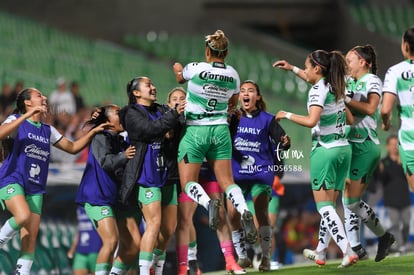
102	44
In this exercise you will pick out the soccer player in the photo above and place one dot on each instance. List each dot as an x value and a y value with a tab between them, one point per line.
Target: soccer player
331	153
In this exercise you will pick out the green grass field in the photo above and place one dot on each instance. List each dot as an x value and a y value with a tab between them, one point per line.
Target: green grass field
390	265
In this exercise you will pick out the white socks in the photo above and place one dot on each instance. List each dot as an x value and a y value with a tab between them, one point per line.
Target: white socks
335	227
239	243
368	216
235	195
196	192
352	226
7	233
23	266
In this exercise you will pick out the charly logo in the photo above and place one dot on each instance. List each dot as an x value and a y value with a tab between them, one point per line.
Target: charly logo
34	170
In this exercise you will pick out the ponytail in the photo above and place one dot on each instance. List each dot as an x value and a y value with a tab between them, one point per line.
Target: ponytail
333	68
101	117
132	86
23	95
337	73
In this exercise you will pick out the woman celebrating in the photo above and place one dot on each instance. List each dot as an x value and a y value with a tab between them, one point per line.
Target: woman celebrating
213	87
331	154
256	135
24	172
399	83
363	98
147	124
98	189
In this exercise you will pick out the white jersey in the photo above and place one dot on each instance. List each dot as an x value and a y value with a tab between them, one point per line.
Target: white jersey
330	130
399	80
364	126
210	86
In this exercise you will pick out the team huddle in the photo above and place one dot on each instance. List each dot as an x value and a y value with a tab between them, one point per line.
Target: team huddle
156	162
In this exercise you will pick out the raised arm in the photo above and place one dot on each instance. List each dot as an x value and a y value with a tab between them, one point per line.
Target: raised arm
74	147
308	121
6	129
284	65
178	72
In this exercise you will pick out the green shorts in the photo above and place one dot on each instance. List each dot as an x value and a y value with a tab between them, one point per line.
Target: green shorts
365	159
407	160
35	202
212	142
272	209
274	205
84	261
167	195
255	190
329	167
98	212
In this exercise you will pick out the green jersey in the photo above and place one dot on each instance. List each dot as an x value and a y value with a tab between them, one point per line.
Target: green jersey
399	80
210	86
330	130
364	126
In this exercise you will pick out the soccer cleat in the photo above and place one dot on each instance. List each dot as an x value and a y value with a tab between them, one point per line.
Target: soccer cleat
234	268
244	262
213	213
193	268
384	244
349	259
361	252
318	257
265	264
275	265
249	227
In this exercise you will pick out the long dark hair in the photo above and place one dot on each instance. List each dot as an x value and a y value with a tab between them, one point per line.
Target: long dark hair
23	95
6	145
132	86
367	53
333	68
260	103
102	117
408	37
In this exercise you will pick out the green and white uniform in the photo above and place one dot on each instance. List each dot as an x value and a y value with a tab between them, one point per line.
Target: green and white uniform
331	154
399	80
210	86
363	136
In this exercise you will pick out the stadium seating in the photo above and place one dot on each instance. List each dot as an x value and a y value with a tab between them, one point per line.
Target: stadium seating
54	240
390	19
250	63
39	55
6	263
